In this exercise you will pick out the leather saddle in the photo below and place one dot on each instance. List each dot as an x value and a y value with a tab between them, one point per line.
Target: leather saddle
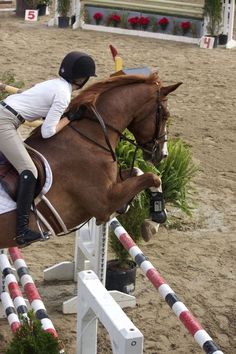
9	177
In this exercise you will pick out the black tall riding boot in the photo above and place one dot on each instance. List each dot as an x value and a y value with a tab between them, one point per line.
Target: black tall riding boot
25	197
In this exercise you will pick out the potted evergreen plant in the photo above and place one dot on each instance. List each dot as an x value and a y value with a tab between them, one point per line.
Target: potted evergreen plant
121	271
63	9
213	13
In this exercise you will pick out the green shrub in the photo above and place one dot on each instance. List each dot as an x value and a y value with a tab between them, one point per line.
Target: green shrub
30	338
177	172
63	7
213	11
8	78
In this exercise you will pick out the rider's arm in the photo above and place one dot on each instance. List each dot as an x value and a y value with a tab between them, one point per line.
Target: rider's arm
62	123
53	122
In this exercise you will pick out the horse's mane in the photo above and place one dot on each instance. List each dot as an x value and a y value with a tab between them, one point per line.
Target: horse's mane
92	92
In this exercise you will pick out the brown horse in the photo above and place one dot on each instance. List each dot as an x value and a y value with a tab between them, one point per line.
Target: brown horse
86	179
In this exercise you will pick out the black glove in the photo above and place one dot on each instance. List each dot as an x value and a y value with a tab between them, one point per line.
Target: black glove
76	115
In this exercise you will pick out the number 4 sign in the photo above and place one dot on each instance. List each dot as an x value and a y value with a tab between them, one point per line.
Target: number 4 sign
31	15
207	42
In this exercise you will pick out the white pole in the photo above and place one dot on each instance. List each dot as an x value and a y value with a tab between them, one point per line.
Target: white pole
95	302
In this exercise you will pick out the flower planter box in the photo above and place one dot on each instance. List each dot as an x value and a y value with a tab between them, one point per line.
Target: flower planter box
136	21
138	33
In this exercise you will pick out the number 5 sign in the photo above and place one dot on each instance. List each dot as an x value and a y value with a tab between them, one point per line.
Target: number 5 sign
31	15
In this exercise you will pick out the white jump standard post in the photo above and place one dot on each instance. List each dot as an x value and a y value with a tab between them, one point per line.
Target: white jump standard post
228	12
90	253
95	302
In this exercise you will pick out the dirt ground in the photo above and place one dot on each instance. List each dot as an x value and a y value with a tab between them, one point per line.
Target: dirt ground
197	261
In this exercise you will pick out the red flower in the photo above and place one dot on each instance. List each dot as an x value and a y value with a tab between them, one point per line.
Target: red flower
144	21
98	16
163	21
185	25
115	18
134	20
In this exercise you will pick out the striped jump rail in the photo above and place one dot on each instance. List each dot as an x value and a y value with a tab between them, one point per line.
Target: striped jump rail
13	301
190	322
15	294
10	311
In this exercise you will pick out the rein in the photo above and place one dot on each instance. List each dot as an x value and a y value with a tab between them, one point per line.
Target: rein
104	128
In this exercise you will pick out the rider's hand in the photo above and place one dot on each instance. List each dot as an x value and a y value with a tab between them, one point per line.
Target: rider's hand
71	115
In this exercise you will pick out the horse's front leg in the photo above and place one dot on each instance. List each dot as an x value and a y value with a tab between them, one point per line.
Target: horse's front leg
157	205
122	192
123	175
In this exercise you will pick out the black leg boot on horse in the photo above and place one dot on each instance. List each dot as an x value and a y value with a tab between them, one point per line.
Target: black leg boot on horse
157	207
25	197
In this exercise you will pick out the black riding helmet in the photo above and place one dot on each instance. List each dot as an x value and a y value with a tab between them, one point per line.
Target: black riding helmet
77	65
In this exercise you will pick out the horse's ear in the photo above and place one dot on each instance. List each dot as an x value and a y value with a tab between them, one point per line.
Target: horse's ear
168	89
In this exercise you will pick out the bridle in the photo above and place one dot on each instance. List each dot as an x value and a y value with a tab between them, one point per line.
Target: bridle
154	143
157	139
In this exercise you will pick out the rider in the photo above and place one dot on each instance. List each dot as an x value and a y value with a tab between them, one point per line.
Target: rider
47	99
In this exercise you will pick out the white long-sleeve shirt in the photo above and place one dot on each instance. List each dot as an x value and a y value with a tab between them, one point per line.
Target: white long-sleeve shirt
47	99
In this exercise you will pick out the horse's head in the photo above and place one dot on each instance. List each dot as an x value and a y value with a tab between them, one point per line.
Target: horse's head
150	124
136	100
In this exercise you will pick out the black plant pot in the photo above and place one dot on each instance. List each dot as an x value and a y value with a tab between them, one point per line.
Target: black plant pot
41	9
223	39
63	22
121	279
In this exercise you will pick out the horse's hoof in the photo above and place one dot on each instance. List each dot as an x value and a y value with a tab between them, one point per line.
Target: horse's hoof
149	229
159	217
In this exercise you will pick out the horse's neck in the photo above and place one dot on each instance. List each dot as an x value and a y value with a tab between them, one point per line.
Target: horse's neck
119	107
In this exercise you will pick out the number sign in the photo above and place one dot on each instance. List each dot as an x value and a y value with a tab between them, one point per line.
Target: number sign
31	15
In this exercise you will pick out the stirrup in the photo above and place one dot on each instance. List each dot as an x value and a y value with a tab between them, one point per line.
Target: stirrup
29	237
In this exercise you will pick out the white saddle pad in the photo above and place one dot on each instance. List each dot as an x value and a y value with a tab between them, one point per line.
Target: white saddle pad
6	202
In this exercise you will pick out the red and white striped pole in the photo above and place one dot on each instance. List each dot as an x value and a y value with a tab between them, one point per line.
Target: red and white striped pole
18	305
31	291
181	311
12	301
10	311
